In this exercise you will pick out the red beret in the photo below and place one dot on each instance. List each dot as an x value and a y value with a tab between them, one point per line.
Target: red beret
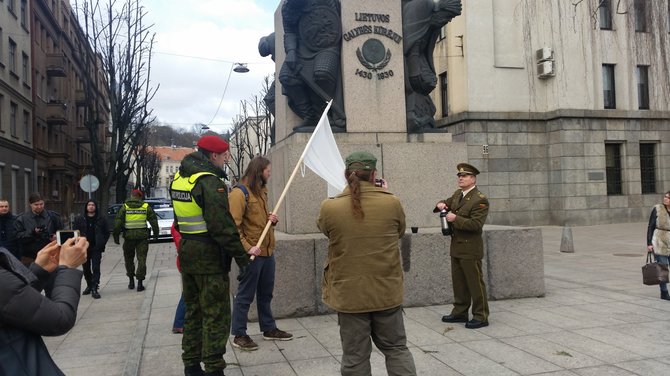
137	192
213	144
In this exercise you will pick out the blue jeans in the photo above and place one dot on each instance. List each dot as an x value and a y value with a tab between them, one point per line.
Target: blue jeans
259	281
179	314
662	260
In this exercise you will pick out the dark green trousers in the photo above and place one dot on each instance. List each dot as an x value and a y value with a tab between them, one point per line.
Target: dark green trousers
141	248
469	287
387	330
207	321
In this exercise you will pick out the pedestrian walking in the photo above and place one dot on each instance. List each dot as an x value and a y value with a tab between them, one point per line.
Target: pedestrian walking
209	243
132	221
468	209
36	228
95	228
363	277
249	207
8	230
658	236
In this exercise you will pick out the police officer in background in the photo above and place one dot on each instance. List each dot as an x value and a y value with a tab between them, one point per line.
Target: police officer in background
468	209
132	220
209	243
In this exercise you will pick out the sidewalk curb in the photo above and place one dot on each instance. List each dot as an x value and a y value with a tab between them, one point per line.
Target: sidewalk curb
136	348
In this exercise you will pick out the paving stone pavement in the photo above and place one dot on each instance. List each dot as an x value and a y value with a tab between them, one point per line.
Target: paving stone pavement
597	318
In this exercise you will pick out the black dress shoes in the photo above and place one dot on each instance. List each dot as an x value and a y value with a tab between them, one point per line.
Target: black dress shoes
452	318
474	324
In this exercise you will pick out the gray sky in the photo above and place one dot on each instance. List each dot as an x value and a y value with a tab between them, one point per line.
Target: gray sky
196	45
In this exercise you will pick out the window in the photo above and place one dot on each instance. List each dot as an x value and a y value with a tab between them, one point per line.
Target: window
443	94
641	15
13	109
648	167
2	49
24	68
613	168
605	15
609	95
642	74
26	126
12	55
11	6
23	15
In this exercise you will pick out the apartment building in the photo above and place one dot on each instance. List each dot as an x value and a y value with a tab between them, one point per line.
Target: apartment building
17	162
51	89
171	158
563	105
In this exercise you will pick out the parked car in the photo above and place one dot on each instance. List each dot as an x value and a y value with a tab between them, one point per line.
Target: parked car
165	219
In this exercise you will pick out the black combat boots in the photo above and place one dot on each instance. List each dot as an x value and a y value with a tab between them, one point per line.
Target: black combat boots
665	295
193	371
140	286
131	284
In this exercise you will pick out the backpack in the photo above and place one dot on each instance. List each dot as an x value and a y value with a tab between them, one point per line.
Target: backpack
244	190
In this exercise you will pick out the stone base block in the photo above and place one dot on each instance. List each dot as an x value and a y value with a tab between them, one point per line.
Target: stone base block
513	268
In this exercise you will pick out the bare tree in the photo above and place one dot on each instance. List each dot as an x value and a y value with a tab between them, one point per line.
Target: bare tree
150	166
123	44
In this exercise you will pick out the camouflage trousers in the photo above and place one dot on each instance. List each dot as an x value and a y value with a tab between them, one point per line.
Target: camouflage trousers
207	321
141	247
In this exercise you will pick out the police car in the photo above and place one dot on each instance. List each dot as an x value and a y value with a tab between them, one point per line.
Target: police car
165	218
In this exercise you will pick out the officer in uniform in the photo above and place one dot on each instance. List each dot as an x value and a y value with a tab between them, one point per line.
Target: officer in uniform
209	242
132	220
468	209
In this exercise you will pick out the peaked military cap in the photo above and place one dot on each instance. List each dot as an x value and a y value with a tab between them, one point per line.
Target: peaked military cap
361	160
466	169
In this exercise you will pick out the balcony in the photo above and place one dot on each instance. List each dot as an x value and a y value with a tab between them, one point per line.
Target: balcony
56	113
56	64
81	135
80	98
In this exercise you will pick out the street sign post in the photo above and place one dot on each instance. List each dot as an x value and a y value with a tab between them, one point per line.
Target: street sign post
89	183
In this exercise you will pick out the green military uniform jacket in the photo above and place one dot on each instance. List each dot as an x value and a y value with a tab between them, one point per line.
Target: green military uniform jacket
138	233
471	212
363	270
222	239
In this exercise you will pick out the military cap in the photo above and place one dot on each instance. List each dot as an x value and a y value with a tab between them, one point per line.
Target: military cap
136	192
361	160
212	144
466	169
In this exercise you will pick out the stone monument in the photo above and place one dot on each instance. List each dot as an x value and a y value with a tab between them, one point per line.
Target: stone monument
419	167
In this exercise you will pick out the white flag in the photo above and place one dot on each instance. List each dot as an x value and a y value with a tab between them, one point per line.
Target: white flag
323	157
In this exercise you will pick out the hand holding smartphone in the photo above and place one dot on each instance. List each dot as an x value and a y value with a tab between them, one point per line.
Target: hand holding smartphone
63	235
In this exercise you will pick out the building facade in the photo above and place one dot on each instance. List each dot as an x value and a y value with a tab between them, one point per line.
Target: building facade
564	107
171	158
51	90
17	152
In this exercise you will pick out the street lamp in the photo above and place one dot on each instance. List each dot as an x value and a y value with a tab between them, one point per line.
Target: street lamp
234	67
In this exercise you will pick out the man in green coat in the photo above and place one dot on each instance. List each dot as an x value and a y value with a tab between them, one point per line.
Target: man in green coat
209	243
468	209
132	220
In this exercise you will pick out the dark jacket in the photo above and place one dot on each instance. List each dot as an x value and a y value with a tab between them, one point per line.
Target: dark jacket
134	234
222	242
26	314
22	305
8	234
29	240
101	232
471	212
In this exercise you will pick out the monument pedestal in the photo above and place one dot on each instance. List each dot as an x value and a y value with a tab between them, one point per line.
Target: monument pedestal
419	169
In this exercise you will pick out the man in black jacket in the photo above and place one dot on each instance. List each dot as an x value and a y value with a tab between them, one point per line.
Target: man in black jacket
26	314
7	230
95	228
36	228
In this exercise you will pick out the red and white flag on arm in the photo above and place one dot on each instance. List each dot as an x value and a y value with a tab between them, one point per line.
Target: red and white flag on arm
323	157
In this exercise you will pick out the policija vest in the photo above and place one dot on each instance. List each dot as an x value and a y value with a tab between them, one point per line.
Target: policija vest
136	217
189	214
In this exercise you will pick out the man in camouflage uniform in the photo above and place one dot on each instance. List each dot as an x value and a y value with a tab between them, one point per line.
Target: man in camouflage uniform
209	242
132	220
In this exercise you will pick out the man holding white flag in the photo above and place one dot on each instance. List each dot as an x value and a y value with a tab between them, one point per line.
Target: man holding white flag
323	157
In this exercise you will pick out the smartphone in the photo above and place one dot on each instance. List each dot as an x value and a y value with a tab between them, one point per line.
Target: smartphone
63	235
